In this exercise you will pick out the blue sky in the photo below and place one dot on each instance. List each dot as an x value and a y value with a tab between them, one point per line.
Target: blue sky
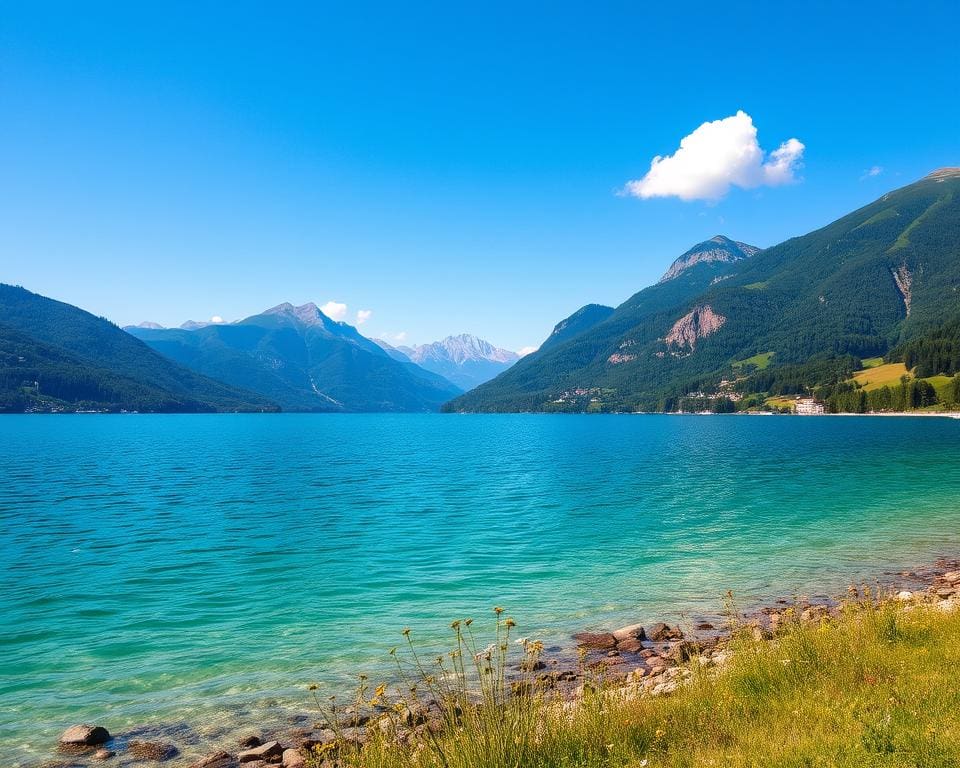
446	167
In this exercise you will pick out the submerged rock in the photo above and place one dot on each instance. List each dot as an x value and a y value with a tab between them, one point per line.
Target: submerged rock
217	760
84	736
152	750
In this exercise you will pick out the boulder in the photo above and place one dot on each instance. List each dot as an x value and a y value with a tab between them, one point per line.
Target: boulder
293	759
952	576
630	632
944	592
84	736
249	742
103	754
685	650
599	640
630	645
272	751
152	750
705	626
904	596
660	632
217	760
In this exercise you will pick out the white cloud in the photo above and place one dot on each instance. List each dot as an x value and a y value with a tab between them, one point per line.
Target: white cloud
334	310
216	319
527	351
397	338
363	315
716	156
875	170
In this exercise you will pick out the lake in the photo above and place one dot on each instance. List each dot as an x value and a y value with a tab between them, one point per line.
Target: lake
207	568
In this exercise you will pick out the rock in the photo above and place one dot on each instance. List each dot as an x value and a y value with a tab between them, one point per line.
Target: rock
631	645
630	632
904	596
599	640
103	754
952	576
249	742
814	613
704	626
269	752
217	760
317	738
944	592
685	650
152	750
293	759
666	687
531	665
660	632
84	736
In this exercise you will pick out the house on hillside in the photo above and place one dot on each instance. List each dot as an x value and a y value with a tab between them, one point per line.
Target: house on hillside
809	407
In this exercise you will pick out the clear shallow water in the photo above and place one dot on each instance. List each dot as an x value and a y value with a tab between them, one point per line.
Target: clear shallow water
206	568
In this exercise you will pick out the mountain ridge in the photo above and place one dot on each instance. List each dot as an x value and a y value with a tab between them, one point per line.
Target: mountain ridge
305	361
841	291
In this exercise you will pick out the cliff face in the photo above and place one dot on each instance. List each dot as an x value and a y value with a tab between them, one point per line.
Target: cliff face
698	323
904	281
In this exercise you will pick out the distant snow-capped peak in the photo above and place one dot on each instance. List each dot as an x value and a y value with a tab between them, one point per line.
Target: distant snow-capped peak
461	349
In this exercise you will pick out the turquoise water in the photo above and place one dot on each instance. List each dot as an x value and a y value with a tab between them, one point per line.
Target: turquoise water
206	568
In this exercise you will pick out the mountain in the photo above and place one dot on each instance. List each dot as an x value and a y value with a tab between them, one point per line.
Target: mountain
54	356
804	310
303	360
718	249
465	360
582	320
144	324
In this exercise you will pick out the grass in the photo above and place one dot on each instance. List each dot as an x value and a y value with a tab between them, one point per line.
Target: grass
781	402
872	362
757	286
877	686
759	361
887	375
944	386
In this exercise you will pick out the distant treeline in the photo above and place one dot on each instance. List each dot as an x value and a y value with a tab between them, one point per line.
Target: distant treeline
935	352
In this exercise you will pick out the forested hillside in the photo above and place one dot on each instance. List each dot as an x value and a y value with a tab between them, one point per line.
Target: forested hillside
883	280
54	356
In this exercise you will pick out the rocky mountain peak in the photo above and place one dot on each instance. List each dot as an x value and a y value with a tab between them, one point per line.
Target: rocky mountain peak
718	248
944	173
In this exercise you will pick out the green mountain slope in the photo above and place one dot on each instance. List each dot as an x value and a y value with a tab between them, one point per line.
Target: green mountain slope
860	286
56	356
303	360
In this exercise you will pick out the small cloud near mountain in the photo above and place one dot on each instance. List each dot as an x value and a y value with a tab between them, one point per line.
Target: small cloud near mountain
715	157
363	315
335	310
871	172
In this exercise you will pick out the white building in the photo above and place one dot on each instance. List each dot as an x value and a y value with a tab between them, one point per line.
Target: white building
809	407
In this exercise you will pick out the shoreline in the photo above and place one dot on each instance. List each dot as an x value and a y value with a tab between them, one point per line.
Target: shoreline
644	659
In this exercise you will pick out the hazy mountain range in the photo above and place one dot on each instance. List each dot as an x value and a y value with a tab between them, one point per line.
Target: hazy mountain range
465	360
304	361
882	281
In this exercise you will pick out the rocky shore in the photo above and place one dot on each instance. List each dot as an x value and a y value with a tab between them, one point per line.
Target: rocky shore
645	660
